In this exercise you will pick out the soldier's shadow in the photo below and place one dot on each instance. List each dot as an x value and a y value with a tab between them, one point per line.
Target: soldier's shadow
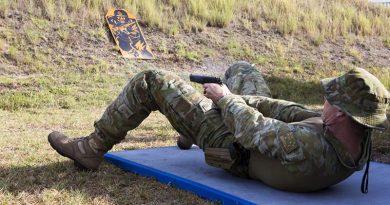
114	185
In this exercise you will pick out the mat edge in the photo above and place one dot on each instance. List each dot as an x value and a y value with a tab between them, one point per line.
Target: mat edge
170	179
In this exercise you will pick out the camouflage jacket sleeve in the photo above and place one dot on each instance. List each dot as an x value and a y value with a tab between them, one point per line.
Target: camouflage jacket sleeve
253	130
300	148
283	110
248	125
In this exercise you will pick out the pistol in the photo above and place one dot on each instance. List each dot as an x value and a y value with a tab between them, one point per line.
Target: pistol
202	79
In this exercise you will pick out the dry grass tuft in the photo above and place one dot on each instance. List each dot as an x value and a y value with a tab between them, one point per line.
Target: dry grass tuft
317	19
3	46
59	70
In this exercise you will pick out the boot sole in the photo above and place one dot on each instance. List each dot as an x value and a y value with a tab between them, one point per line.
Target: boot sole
183	146
184	143
76	163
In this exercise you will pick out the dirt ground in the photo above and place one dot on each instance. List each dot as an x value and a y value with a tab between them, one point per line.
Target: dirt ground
211	46
61	59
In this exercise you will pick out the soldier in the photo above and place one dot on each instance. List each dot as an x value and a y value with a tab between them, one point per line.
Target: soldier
278	142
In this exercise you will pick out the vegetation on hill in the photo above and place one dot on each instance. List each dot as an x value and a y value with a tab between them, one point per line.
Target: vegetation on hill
59	69
316	18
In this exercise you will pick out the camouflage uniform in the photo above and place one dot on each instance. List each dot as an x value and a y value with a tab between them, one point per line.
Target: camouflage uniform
188	111
288	144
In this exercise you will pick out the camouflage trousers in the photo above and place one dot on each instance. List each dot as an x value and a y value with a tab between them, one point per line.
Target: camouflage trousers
188	111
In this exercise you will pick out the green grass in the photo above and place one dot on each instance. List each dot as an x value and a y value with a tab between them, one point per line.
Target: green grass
317	19
33	36
60	69
41	176
4	6
382	74
221	12
387	42
239	50
184	52
65	90
355	54
3	45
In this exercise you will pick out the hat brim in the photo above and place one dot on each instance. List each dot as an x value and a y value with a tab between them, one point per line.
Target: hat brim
325	82
386	124
381	122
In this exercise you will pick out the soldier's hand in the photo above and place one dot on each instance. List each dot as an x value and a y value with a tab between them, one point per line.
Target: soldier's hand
215	91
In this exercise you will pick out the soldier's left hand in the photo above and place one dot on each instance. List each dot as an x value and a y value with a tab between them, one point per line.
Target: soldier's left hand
215	91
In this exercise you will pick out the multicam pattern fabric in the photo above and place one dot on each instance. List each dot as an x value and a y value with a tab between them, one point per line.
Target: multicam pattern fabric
276	128
361	95
301	145
242	79
188	111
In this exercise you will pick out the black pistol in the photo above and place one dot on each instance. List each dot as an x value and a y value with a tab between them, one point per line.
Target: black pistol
202	79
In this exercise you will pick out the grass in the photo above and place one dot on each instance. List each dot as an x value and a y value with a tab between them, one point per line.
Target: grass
60	69
239	50
387	42
220	12
3	45
355	53
4	6
382	74
184	52
47	178
93	87
317	19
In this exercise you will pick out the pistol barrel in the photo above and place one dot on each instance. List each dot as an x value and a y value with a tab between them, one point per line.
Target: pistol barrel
202	79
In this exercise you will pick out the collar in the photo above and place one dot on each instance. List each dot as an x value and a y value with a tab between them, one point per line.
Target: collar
344	157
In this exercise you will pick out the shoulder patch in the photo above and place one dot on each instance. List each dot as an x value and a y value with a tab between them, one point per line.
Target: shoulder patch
288	142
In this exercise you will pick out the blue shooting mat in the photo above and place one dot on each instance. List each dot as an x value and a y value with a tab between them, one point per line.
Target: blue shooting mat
186	169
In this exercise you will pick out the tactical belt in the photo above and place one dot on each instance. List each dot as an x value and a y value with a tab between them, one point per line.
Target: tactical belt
227	158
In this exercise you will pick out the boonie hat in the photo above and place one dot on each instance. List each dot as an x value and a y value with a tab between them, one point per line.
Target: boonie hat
360	95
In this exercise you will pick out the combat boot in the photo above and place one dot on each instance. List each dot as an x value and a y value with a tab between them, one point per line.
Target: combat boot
86	152
184	143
